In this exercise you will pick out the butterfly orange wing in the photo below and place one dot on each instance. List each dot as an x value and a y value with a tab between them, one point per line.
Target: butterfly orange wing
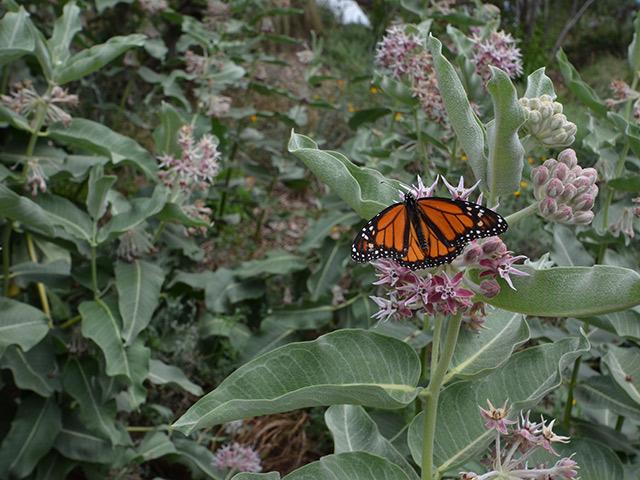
384	236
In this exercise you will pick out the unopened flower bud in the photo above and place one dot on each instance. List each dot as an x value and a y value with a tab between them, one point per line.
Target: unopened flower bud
489	288
568	157
584	202
548	207
546	122
561	171
563	214
494	246
472	254
568	193
540	175
554	188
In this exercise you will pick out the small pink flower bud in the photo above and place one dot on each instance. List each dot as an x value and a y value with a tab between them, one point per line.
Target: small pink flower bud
591	174
568	193
489	288
554	188
564	213
493	246
550	164
583	202
548	207
561	171
473	254
539	175
568	157
583	218
582	183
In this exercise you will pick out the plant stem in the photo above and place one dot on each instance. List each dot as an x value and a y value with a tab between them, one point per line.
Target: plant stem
94	272
42	291
6	255
566	421
619	423
69	323
433	393
520	214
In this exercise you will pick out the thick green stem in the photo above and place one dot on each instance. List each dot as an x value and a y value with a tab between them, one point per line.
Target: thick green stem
566	421
6	255
94	271
619	423
42	291
433	393
520	214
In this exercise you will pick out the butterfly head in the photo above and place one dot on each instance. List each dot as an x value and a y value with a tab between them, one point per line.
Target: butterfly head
409	198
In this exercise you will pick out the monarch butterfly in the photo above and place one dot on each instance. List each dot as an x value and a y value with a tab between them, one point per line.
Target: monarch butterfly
425	232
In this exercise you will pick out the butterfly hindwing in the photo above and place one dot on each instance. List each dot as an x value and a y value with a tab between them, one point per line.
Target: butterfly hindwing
426	232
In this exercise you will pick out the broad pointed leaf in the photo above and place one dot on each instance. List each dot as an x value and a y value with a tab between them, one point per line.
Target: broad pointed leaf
602	391
351	466
353	430
624	365
64	29
160	373
346	366
33	433
138	284
155	445
16	38
101	323
20	324
35	370
25	211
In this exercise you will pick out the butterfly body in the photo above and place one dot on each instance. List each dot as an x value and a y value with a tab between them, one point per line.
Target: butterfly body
425	232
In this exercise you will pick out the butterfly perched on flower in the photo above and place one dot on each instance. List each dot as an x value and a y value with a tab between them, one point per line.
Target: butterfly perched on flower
425	232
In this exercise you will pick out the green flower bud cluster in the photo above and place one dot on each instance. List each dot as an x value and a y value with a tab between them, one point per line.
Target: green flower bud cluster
546	122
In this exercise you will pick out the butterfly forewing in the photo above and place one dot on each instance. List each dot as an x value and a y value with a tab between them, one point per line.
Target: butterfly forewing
426	232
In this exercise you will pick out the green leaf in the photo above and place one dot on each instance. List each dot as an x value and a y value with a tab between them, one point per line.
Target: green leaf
94	137
42	272
570	291
580	89
351	466
321	229
626	184
198	458
77	443
464	121
567	250
256	476
33	433
165	136
304	317
14	119
101	323
225	326
277	262
370	115
81	381
138	356
477	352
346	366
88	61
35	370
25	211
140	210
53	467
64	214
21	324
332	257
155	445
16	38
99	186
539	84
633	53
172	212
64	29
353	430
625	324
523	380
506	153
138	284
160	373
601	391
363	189
624	366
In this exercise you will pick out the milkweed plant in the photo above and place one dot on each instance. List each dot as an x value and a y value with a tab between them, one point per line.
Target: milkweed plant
482	368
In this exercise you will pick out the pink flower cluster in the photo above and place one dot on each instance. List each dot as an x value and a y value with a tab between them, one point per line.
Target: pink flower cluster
402	54
566	192
498	49
237	458
436	293
196	168
515	442
24	100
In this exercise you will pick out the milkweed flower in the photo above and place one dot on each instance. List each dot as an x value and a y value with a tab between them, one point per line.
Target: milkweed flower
566	192
153	6
546	122
498	49
515	442
36	178
24	100
238	458
197	166
395	51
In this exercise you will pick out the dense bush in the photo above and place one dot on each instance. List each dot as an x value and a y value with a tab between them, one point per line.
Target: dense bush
166	231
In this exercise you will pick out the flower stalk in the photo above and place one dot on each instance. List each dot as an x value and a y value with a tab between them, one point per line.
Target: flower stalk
439	367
